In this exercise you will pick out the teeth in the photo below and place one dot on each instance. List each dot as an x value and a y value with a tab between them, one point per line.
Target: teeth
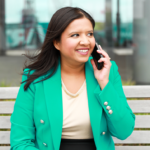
84	51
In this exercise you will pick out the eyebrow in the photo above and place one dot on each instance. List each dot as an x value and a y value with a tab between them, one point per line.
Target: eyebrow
79	32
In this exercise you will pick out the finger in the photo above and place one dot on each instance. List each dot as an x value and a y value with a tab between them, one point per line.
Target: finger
100	47
103	53
102	50
102	59
105	60
93	64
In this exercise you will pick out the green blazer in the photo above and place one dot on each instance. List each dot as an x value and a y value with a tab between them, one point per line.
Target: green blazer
37	119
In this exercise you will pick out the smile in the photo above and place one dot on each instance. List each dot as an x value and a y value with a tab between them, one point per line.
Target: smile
83	51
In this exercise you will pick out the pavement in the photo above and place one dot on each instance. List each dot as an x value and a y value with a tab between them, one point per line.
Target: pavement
11	67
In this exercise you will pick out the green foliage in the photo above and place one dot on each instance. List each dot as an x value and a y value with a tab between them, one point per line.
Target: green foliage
99	26
129	82
4	84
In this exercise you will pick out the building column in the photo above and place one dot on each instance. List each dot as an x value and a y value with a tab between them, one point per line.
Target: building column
141	36
2	28
108	23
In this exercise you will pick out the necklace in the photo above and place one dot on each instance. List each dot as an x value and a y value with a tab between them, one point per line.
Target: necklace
71	94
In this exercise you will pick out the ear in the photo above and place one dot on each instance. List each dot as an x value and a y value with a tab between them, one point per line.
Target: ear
56	44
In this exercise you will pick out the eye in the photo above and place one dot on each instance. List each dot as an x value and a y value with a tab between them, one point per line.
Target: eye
74	35
90	34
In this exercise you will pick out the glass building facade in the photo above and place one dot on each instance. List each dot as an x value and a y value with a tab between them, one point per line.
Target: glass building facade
121	29
26	24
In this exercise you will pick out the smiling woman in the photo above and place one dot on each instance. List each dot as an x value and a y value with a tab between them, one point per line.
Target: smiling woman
77	42
64	101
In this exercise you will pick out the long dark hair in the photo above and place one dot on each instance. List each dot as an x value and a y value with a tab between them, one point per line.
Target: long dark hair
48	57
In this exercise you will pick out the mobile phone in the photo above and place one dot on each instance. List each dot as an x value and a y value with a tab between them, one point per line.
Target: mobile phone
96	56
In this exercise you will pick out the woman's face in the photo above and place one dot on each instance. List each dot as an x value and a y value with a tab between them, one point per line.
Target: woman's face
77	42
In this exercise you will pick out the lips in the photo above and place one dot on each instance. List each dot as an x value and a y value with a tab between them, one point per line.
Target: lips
83	48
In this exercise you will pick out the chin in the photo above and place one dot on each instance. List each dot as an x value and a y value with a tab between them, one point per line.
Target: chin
83	60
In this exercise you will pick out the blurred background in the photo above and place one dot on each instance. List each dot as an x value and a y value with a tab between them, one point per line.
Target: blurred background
121	29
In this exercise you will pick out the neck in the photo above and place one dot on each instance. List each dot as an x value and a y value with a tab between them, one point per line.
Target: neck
72	69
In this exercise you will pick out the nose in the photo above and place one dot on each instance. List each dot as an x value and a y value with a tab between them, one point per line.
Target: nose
84	40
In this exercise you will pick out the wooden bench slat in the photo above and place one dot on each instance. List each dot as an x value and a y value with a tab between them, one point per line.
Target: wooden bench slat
137	106
4	137
5	122
142	121
130	92
137	91
116	147
8	92
132	147
4	147
6	107
142	137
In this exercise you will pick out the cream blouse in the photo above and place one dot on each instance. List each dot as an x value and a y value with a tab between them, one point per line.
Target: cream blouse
76	120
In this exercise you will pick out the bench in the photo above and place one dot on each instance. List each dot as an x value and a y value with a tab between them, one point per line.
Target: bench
139	140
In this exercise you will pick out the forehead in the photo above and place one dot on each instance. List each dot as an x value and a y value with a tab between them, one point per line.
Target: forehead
79	24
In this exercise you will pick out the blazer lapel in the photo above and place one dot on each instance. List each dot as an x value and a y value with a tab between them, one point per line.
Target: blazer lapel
95	109
53	95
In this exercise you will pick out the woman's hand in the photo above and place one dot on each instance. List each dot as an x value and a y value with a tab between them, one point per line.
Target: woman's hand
102	75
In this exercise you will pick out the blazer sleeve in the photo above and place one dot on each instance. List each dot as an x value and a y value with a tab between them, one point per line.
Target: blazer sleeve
22	135
122	120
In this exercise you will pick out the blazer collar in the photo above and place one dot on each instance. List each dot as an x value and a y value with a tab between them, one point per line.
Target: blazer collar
53	95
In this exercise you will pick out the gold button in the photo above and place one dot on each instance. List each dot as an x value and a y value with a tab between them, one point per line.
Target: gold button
42	121
103	133
105	103
110	112
44	144
108	107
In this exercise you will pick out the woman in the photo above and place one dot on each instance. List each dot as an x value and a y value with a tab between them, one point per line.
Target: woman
64	102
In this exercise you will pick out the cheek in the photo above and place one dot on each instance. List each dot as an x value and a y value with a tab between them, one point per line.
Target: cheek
70	45
93	43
